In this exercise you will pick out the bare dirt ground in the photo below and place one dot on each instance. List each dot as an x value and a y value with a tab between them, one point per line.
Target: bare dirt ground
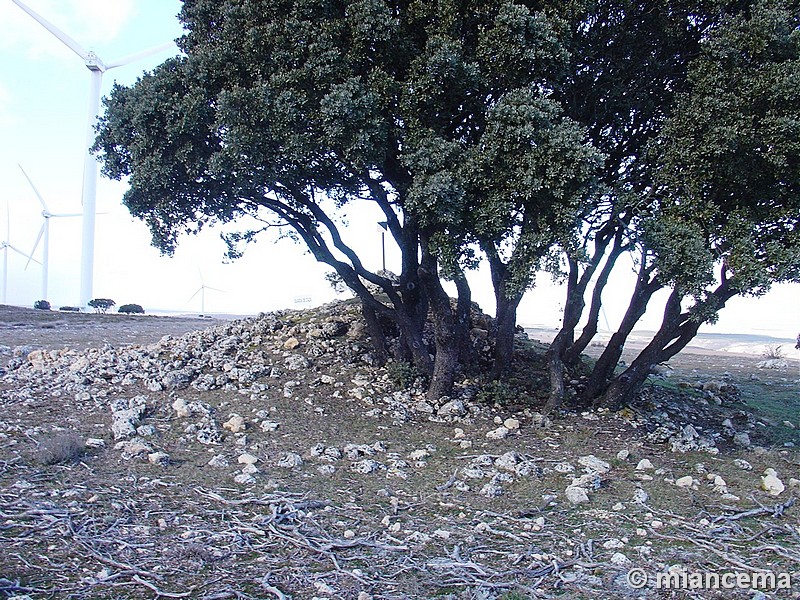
268	459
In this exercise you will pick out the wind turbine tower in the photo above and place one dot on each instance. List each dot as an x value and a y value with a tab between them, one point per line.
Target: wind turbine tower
5	246
96	69
44	232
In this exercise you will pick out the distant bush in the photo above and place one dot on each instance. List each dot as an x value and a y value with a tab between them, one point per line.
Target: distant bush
773	352
70	308
41	305
131	309
101	305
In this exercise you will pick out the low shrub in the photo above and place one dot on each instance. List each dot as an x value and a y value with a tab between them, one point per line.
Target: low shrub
41	305
60	448
403	375
69	308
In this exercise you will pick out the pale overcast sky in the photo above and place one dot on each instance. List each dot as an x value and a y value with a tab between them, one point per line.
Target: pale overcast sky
44	91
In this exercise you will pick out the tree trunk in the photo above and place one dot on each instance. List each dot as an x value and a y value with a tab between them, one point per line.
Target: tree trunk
505	328
506	304
572	314
573	352
376	334
604	367
676	331
449	334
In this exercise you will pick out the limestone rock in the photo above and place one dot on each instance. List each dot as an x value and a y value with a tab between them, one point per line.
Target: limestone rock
576	495
453	408
685	482
499	433
247	459
291	461
771	484
593	464
158	458
219	462
235	424
181	408
291	343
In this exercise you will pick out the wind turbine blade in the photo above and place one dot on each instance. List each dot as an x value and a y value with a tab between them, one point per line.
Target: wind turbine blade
63	37
35	191
195	294
36	244
142	54
20	252
214	289
70	215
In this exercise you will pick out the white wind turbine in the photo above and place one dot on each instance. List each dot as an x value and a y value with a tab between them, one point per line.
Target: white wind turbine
44	234
5	246
96	68
202	291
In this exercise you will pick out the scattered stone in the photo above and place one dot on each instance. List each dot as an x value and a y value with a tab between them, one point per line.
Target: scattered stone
623	454
594	465
645	465
742	439
247	459
133	448
417	455
295	362
508	461
291	343
771	484
640	496
366	466
95	443
620	559
685	482
291	461
453	408
743	464
218	461
235	424
158	458
244	478
181	408
576	495
773	363
511	424
269	426
498	434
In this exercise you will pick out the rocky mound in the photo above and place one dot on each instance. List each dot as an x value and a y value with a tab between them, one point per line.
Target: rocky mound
271	456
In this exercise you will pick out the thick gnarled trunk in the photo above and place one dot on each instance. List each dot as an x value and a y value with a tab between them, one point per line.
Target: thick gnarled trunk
450	326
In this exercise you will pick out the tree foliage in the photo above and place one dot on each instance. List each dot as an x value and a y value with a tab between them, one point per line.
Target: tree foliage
527	133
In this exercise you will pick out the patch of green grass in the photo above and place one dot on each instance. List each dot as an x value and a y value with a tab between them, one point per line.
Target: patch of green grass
774	403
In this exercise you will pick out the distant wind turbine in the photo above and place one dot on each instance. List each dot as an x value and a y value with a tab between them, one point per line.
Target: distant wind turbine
44	233
5	246
96	67
202	291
